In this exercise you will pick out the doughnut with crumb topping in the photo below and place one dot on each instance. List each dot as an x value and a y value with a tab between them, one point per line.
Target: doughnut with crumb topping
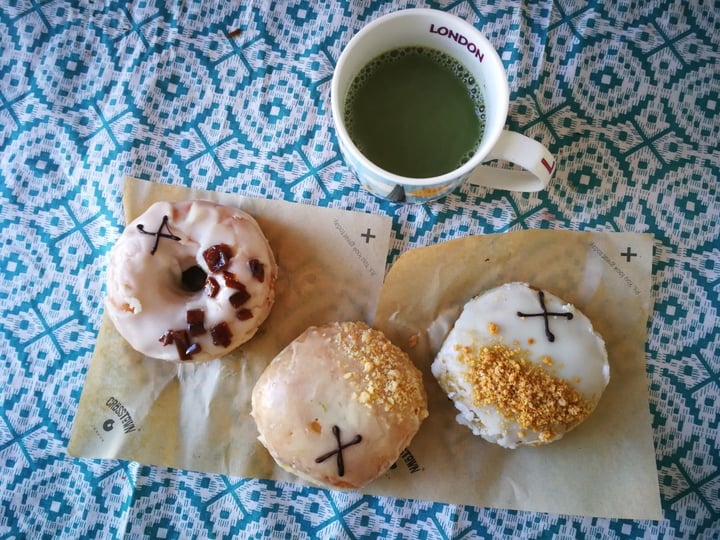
522	366
338	405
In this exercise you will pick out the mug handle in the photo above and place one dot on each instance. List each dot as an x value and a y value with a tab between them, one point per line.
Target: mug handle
538	162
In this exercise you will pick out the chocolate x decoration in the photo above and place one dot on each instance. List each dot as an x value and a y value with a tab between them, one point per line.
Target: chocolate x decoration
338	451
159	234
545	313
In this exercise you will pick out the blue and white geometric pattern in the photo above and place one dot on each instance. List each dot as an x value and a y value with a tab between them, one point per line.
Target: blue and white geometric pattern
234	97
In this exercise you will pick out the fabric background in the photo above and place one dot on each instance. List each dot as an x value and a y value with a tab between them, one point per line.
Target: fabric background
234	97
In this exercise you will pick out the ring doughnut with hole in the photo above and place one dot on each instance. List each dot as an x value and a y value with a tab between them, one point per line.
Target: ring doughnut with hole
190	280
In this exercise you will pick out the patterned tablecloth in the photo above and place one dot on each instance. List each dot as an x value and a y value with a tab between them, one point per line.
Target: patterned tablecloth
234	97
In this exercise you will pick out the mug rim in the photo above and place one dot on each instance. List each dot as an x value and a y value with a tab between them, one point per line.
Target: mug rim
336	102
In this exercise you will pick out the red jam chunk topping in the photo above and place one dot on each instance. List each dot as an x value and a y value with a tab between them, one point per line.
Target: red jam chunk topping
221	334
181	340
217	257
212	287
244	314
196	322
257	269
232	282
166	338
239	298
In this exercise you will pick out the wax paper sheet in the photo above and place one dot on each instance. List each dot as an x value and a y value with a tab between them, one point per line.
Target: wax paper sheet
196	415
606	466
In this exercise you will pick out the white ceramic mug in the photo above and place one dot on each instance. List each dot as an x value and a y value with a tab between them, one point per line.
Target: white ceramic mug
456	37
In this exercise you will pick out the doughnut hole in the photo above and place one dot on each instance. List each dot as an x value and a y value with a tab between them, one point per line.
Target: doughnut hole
193	279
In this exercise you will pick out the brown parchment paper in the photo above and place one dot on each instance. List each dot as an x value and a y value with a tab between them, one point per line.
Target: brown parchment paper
196	415
332	263
605	467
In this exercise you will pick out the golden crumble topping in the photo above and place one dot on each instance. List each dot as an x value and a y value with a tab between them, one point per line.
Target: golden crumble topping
503	376
386	376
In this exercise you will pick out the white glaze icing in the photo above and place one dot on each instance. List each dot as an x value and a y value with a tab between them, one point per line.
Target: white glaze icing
577	355
311	386
145	296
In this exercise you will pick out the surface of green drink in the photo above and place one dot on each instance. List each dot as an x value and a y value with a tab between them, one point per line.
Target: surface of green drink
415	112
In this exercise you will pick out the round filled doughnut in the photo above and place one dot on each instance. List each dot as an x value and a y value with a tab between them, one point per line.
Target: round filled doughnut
190	280
338	405
522	366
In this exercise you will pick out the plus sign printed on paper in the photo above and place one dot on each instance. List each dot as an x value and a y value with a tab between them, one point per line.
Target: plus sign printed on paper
628	254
